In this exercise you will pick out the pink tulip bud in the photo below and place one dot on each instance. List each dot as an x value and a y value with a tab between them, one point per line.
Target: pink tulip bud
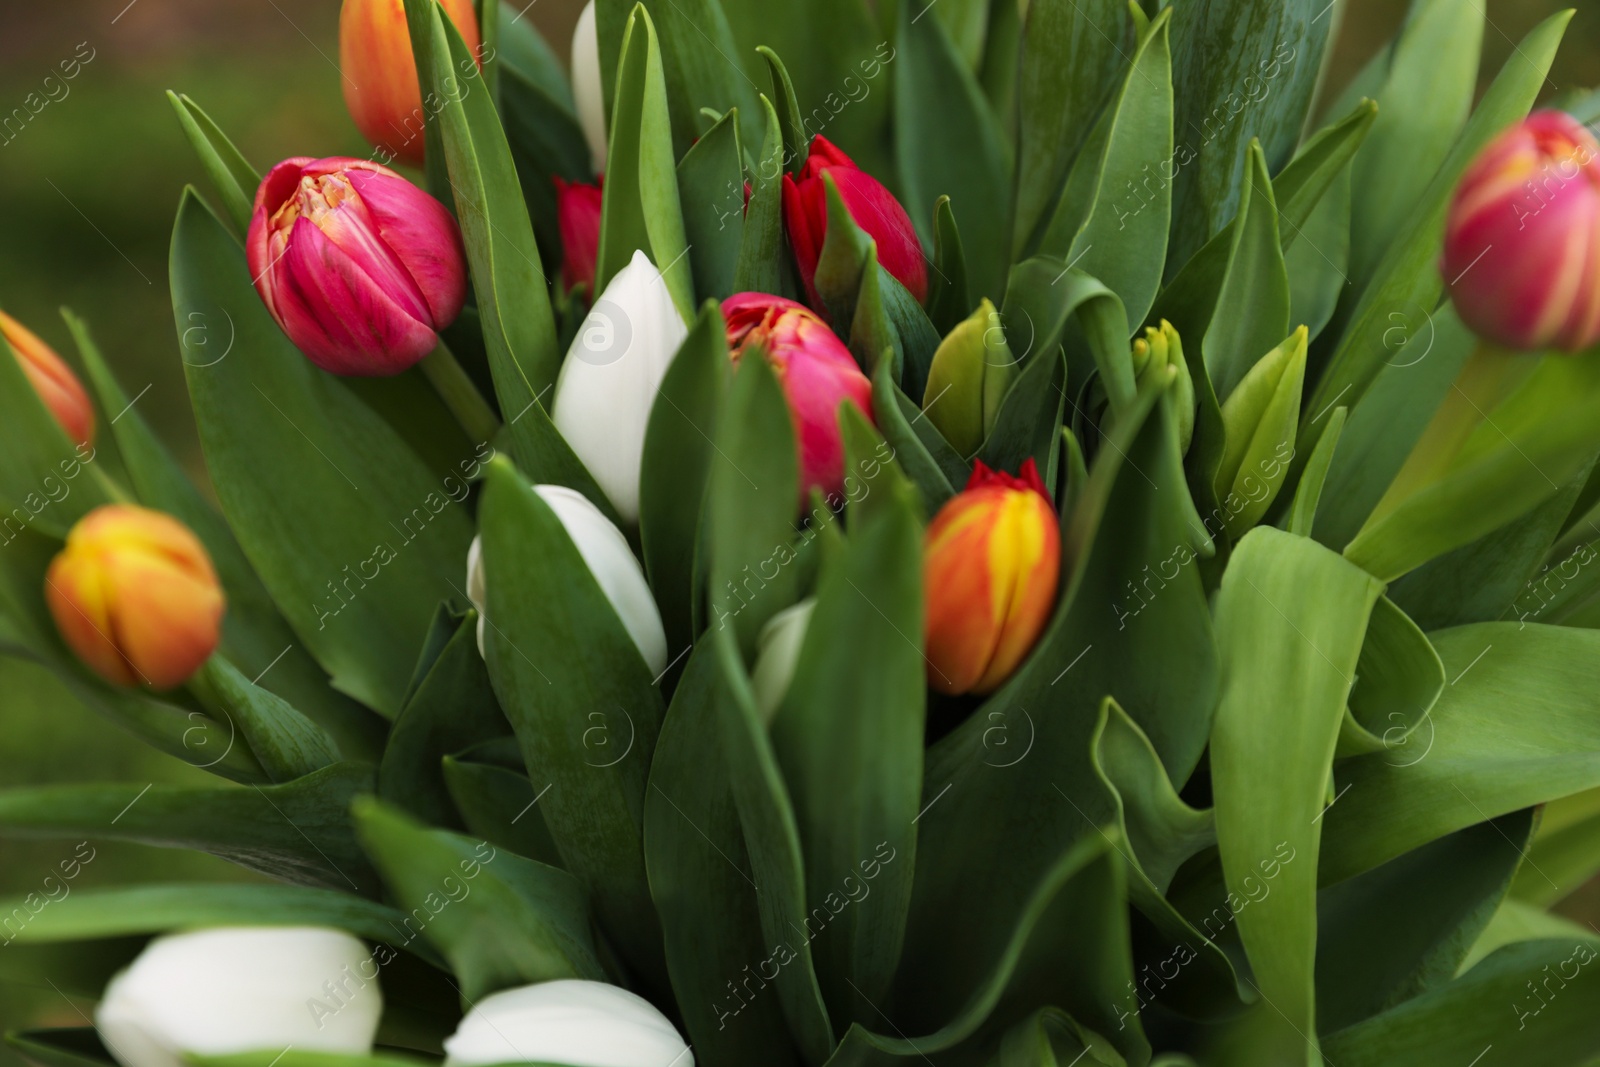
578	215
874	209
1522	245
360	267
817	372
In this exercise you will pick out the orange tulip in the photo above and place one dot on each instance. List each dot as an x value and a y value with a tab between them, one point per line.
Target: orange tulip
135	596
380	76
57	386
990	563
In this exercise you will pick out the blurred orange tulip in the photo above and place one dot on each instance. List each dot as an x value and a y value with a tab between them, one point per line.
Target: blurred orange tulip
57	386
380	76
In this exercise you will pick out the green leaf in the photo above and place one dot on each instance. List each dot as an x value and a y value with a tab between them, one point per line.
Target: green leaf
500	805
641	208
711	185
297	831
933	466
678	445
1308	494
234	178
1260	417
1515	726
947	143
1406	282
451	708
286	743
585	710
1491	1007
1029	423
949	295
697	58
1242	70
524	51
1398	680
501	920
1403	928
1317	264
702	886
763	265
546	143
1071	53
254	635
1252	310
1290	618
796	145
1566	852
849	733
69	1047
1424	103
1035	296
1122	240
321	493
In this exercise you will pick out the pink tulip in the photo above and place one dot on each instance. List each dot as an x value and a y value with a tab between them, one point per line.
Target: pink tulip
874	209
1522	244
817	372
361	268
578	215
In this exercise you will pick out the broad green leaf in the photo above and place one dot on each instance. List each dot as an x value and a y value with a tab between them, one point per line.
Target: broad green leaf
451	708
1405	927
523	50
711	185
842	262
1565	854
1515	726
500	805
796	145
580	698
1491	1007
1252	309
849	732
1071	53
1406	282
702	886
1308	494
1029	423
1036	312
297	831
286	743
1242	70
501	920
1260	418
323	496
234	178
439	88
763	265
1317	264
677	463
700	64
641	210
1516	922
546	143
927	458
254	634
949	295
1398	680
1424	103
1290	617
947	143
1123	239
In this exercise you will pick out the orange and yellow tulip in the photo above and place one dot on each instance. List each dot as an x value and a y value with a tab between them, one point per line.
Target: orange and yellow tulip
135	596
54	381
381	89
990	562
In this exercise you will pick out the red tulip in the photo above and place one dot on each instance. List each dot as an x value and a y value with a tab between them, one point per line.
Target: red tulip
817	372
360	267
135	596
381	89
578	214
1522	244
991	560
874	209
52	379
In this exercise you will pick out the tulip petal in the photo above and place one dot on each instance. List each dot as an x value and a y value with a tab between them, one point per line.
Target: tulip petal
424	240
570	1021
75	591
587	92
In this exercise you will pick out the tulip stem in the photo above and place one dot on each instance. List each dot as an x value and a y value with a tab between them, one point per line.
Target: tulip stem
459	394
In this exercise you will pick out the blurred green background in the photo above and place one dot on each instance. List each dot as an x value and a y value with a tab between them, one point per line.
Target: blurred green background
87	193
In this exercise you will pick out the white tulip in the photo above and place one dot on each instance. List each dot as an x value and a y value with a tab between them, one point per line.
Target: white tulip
242	989
584	1024
609	381
778	651
609	559
586	86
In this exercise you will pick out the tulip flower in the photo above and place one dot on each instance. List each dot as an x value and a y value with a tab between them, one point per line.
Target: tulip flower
569	1021
578	215
777	654
242	989
134	595
991	558
52	379
610	560
587	91
874	209
971	373
1522	241
816	370
361	268
608	382
381	89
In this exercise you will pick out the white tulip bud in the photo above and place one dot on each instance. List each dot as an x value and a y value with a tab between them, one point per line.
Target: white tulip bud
242	989
608	383
778	651
609	559
584	1024
586	87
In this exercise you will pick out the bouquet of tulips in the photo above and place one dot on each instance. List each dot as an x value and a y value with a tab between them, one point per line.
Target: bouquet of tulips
844	535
